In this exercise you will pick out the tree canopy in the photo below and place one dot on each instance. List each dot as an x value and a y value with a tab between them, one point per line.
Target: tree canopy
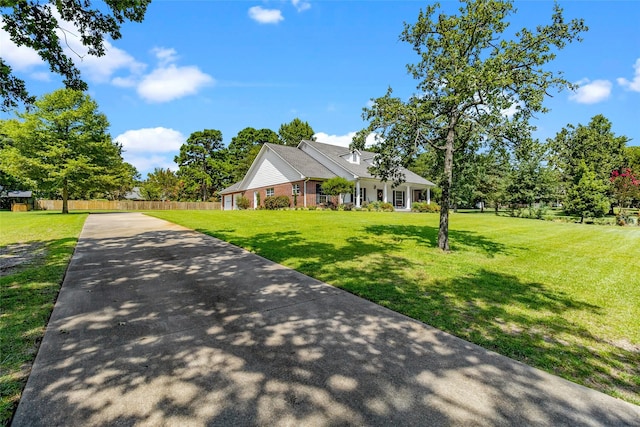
244	148
202	164
62	145
295	131
161	184
337	186
35	24
470	74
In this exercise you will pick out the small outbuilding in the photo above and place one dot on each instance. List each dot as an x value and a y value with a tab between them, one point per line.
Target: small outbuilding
17	201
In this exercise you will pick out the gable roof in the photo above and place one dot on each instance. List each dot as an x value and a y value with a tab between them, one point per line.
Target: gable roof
317	166
337	153
301	161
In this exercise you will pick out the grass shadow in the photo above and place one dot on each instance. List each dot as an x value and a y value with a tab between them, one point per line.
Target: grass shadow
459	240
522	320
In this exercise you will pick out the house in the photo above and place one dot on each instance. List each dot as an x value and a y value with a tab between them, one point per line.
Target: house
298	173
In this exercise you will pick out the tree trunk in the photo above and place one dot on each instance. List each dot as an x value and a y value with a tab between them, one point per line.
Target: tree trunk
443	233
65	196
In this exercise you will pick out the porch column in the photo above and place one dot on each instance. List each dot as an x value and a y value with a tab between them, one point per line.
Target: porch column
408	197
428	195
357	193
384	193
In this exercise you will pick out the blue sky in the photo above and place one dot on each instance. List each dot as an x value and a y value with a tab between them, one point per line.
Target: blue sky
227	65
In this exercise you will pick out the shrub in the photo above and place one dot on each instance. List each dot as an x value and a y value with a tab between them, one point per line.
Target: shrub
386	207
277	202
378	206
243	203
425	207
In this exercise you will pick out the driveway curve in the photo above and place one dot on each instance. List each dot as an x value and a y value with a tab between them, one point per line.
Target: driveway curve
157	325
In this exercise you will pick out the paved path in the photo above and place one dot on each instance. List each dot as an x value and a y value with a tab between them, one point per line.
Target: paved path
159	325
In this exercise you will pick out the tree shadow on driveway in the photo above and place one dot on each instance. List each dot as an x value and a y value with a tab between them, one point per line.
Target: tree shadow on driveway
168	326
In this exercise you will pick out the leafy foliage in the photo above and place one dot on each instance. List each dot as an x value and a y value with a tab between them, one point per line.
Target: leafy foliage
202	164
243	203
244	148
295	131
379	206
62	146
530	181
626	187
161	184
425	207
587	196
35	24
336	186
468	75
593	146
277	202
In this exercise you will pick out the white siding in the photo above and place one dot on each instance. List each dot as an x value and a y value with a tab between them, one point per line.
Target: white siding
270	171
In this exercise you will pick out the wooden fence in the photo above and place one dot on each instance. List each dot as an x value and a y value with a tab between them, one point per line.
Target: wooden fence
124	205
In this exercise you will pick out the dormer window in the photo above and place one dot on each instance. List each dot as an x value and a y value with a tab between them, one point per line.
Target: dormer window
355	157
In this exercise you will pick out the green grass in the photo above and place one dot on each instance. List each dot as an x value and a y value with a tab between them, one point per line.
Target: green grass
561	297
28	291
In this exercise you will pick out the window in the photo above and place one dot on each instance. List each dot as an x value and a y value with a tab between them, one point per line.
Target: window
320	196
363	195
270	192
295	189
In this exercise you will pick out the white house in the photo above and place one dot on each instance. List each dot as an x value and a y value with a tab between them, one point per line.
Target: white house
298	172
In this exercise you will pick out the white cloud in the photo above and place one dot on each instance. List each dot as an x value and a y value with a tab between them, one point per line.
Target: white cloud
146	164
124	81
301	5
151	148
20	58
171	82
101	69
634	84
151	140
265	16
591	92
165	55
342	140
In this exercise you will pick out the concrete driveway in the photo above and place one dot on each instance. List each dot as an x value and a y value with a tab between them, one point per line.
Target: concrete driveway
159	325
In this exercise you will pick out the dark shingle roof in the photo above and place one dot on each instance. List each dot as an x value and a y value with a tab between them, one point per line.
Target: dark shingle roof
231	188
335	153
301	161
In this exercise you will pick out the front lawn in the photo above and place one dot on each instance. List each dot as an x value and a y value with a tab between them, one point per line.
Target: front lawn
561	297
35	248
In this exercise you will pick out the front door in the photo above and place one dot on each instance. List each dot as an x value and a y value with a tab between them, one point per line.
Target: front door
380	195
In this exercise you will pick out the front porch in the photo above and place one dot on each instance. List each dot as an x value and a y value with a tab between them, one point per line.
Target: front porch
401	197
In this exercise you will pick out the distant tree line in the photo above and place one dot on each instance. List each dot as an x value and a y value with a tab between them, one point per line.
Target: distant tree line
585	169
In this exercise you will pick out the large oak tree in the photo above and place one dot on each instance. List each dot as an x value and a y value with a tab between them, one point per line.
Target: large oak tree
62	145
470	72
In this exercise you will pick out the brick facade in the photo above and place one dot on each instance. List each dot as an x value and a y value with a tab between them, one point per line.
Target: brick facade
285	189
